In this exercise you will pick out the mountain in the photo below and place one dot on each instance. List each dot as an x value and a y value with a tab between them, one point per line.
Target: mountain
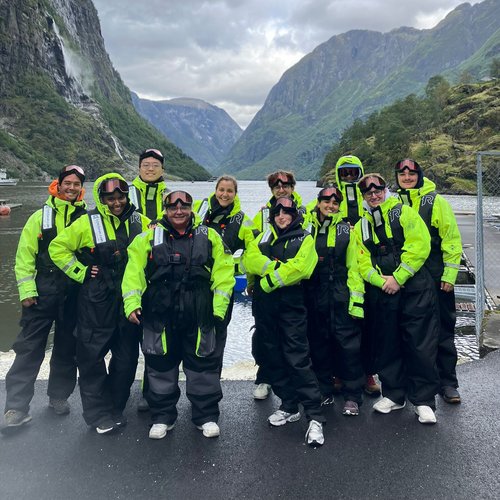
205	132
443	131
350	76
61	100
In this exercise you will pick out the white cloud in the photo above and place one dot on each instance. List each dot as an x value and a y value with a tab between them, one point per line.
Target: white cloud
231	52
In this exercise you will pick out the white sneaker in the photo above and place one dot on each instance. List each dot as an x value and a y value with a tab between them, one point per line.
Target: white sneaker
210	429
280	417
159	431
386	405
314	434
262	391
425	414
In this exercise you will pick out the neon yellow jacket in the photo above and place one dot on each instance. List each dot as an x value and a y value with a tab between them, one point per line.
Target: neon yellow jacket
443	219
143	191
415	250
287	273
27	250
134	281
355	282
64	248
342	161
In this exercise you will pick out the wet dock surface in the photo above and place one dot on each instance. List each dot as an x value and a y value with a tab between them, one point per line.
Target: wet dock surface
369	456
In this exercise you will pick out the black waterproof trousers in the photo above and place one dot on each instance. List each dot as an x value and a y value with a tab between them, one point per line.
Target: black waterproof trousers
334	338
102	327
203	388
56	303
447	352
405	327
281	323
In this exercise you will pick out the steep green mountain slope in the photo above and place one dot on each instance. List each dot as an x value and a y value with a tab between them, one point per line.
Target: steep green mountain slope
61	100
350	76
443	131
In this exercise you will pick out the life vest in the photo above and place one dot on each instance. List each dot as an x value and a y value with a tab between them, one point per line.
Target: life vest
284	247
434	262
386	253
228	226
351	195
112	253
150	200
48	233
332	260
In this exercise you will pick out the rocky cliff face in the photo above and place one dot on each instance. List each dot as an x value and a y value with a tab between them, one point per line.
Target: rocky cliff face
61	100
350	76
205	132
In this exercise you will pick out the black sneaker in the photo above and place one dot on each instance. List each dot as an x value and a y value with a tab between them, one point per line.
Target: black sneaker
327	400
60	406
107	426
120	419
450	394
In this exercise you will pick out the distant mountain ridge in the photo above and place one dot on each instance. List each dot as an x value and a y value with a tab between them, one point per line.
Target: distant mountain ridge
350	76
203	131
61	100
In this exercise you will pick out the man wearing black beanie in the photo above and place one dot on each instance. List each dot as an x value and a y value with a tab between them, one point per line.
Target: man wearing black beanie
146	194
147	189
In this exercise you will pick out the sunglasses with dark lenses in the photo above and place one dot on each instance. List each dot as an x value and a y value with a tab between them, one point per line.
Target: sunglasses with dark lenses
73	168
109	186
329	192
408	164
366	184
175	197
346	171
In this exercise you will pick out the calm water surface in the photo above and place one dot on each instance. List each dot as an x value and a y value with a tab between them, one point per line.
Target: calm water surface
253	195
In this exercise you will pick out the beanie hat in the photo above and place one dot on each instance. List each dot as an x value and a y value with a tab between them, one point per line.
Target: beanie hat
151	153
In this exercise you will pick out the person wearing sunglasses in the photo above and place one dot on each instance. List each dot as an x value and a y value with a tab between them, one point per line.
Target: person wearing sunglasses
178	284
348	171
93	252
334	301
147	190
282	184
401	305
443	263
47	297
280	259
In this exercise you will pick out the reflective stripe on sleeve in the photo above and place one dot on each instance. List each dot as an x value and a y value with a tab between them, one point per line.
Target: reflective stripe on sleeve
223	293
24	280
132	292
73	261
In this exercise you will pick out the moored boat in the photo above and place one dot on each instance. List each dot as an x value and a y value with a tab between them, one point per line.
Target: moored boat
4	180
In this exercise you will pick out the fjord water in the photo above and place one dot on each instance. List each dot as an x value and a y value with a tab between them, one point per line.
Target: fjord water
253	195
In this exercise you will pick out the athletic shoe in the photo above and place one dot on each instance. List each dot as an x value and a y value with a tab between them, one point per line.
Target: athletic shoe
159	431
350	408
386	405
425	414
142	405
280	417
107	426
120	419
60	406
210	429
16	418
327	400
450	394
262	391
372	388
314	434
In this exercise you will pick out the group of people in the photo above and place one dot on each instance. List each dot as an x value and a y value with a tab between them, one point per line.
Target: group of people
360	282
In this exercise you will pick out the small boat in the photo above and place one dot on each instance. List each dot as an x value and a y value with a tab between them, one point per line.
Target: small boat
4	181
241	283
5	208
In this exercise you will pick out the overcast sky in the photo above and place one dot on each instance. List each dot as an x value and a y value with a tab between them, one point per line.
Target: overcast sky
230	53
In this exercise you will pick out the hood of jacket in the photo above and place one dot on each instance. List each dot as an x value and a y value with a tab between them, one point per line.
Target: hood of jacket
343	161
102	207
